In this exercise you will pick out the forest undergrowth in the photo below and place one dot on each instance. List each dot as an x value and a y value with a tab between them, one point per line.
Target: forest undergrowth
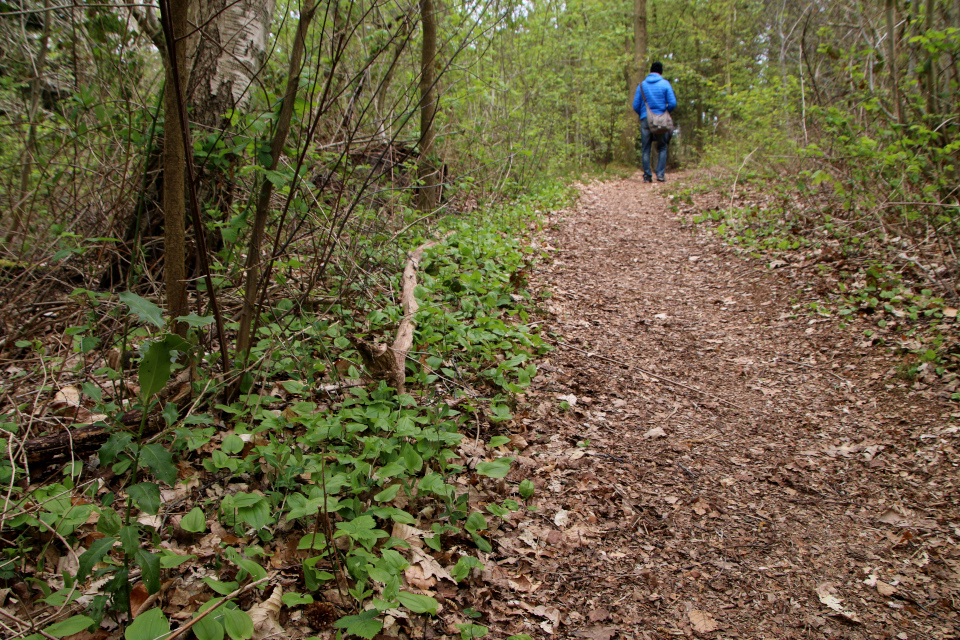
316	496
890	279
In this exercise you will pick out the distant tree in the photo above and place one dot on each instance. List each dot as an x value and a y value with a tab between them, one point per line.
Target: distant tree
428	107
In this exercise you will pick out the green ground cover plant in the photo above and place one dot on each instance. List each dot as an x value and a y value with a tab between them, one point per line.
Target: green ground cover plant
313	458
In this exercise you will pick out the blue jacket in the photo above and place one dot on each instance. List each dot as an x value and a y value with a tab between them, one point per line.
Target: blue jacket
659	92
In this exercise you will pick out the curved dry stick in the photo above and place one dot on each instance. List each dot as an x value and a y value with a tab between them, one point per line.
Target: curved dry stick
390	361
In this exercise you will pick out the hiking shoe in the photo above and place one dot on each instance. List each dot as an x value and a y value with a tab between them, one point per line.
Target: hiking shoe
647	179
661	179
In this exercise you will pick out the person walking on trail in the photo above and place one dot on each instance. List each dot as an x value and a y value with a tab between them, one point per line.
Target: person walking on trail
656	94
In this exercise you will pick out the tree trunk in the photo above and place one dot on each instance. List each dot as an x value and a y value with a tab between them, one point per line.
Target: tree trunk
892	57
933	63
427	200
229	55
252	282
30	150
224	56
634	75
174	159
401	37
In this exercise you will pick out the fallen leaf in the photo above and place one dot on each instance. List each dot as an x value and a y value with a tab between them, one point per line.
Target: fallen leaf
523	584
599	615
550	613
264	616
826	594
569	399
886	589
596	633
562	518
949	312
415	577
138	595
65	398
518	442
656	432
701	621
892	516
410	535
150	521
430	566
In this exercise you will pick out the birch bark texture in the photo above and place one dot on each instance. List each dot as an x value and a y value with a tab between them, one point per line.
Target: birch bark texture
229	56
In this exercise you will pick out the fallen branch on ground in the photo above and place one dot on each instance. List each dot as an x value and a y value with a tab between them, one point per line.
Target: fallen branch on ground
389	362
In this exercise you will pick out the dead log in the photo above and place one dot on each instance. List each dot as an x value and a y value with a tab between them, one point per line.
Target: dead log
82	440
388	361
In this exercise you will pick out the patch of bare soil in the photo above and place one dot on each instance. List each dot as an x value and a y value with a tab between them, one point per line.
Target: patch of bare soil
725	469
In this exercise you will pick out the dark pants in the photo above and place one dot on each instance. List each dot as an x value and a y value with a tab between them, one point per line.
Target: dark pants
646	140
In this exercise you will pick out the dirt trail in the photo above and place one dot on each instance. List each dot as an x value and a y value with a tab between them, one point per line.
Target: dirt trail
804	491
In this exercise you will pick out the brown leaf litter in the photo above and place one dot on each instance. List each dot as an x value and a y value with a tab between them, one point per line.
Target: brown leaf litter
721	467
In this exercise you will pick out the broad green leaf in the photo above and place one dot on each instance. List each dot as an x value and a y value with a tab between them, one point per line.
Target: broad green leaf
496	469
391	589
210	627
170	560
395	514
115	444
312	541
250	566
357	526
470	630
527	488
245	499
130	538
156	458
497	510
238	624
462	569
196	321
149	564
496	441
142	308
170	414
154	370
482	543
223	588
393	561
388	494
68	627
146	495
476	522
291	599
232	444
431	483
195	521
257	515
149	625
364	625
93	555
418	603
109	522
411	459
